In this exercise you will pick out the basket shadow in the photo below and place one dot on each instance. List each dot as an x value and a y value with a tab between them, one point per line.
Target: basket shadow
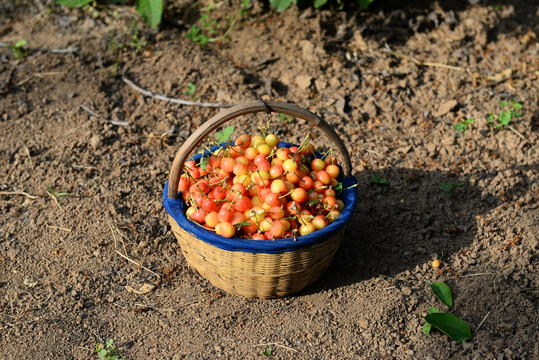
402	224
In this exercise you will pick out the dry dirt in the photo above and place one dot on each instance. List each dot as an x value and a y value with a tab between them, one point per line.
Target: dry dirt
381	78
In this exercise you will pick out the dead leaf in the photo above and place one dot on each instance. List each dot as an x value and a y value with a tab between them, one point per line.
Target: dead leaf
144	289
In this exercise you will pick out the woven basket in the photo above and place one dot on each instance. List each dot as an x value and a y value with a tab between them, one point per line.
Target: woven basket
250	268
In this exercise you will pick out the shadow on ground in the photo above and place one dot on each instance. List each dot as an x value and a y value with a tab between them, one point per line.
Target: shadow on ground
400	225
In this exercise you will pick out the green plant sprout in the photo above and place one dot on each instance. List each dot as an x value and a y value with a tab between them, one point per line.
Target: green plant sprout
108	351
268	352
463	126
19	50
128	38
203	34
150	10
284	118
191	91
57	195
505	117
451	325
378	180
450	187
282	5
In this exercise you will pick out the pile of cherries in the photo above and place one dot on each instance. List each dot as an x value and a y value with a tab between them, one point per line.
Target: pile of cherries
255	189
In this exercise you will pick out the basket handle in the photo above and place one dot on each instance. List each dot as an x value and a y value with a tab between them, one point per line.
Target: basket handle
242	109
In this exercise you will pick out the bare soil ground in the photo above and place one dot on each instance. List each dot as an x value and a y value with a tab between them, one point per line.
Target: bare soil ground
392	81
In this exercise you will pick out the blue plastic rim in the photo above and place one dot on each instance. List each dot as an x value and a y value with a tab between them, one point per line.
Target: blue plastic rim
176	209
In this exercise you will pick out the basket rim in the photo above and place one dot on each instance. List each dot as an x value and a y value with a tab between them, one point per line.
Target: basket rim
176	209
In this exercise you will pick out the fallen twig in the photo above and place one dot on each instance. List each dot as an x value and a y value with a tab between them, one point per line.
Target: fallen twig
17	193
52	51
421	63
136	263
55	200
173	100
58	228
5	85
93	113
477	274
278	345
518	133
39	75
482	321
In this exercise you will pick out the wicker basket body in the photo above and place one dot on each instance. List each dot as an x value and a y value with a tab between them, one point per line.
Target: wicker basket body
256	269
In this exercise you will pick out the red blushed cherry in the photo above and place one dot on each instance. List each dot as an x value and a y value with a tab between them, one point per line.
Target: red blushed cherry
258	236
199	216
243	204
306	183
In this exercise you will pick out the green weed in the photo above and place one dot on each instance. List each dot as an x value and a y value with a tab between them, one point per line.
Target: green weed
450	187
378	180
268	352
284	118
504	118
191	91
207	27
129	38
150	10
463	126
57	195
19	50
108	351
282	5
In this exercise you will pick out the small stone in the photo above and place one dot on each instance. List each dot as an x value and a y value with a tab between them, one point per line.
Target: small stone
307	48
358	42
303	81
320	83
363	323
445	108
406	291
95	142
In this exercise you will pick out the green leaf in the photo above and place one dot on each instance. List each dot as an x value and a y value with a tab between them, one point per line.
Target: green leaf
204	162
427	326
151	11
319	3
469	121
282	5
516	113
451	325
365	3
442	292
460	127
516	105
191	88
505	118
21	43
504	103
268	352
224	135
378	180
73	3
